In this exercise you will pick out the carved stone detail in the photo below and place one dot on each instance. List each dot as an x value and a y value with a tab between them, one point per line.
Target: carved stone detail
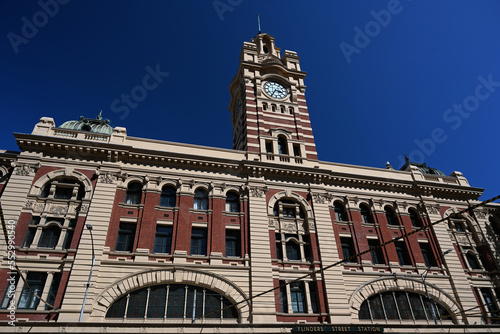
321	199
257	192
58	210
433	209
107	178
29	204
24	169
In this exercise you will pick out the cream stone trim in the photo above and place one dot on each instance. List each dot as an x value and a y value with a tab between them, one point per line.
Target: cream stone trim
289	194
37	187
397	283
202	278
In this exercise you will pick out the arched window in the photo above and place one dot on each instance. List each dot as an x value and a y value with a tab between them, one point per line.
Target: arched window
366	214
200	199
495	224
391	216
402	305
294	243
232	202
172	301
49	237
282	145
134	193
415	218
340	212
473	261
168	197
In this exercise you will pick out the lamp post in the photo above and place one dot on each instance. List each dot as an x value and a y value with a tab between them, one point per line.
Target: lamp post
424	276
89	227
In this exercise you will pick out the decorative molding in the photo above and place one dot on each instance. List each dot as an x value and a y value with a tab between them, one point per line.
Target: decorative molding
24	169
257	192
107	178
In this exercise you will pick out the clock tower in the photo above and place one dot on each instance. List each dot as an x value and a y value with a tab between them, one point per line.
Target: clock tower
268	105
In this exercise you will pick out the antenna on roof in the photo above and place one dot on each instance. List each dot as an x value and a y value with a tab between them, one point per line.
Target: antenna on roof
258	21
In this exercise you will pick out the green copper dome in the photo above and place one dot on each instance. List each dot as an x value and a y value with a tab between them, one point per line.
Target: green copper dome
97	125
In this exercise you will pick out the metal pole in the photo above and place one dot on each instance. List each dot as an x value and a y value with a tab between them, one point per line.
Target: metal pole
89	227
424	275
194	307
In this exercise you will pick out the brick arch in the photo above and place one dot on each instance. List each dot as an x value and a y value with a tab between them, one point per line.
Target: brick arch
382	284
194	277
37	187
291	195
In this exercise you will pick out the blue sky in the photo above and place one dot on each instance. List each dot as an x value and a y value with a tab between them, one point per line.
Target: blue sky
384	78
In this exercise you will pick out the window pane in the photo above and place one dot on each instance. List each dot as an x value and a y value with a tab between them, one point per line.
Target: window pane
376	251
279	250
134	193
283	298
10	290
200	200
30	235
292	250
163	239
232	202
49	237
298	298
390	306
63	192
137	304
376	307
348	249
125	238
403	256
51	298
168	197
391	216
403	306
157	300
417	307
415	219
199	241
473	262
364	311
190	302
28	299
340	214
233	243
313	297
212	304
427	255
366	215
117	309
176	296
229	312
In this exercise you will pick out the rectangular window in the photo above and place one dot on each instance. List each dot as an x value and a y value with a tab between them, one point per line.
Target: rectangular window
233	243
156	304
269	146
376	251
10	290
54	286
427	254
296	150
29	299
348	249
163	239
283	297
199	241
490	302
314	297
176	301
125	238
298	297
279	250
403	256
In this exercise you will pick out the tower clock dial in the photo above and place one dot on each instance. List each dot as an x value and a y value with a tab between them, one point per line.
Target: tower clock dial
275	90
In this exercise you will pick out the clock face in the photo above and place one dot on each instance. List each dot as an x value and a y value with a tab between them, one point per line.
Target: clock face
275	90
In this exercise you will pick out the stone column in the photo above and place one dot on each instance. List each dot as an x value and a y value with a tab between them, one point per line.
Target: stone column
336	297
261	275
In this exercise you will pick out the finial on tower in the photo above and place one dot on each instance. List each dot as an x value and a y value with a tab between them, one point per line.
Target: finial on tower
258	22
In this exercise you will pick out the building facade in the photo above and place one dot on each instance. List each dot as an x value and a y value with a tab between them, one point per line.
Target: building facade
155	236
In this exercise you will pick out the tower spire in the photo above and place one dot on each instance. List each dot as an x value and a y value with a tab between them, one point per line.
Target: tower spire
258	22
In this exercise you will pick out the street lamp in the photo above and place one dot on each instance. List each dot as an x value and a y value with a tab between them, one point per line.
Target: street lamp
89	227
424	276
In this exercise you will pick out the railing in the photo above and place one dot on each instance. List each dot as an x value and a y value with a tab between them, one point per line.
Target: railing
81	135
444	179
283	158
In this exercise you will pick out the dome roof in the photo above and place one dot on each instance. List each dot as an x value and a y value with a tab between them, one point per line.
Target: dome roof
97	125
422	167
